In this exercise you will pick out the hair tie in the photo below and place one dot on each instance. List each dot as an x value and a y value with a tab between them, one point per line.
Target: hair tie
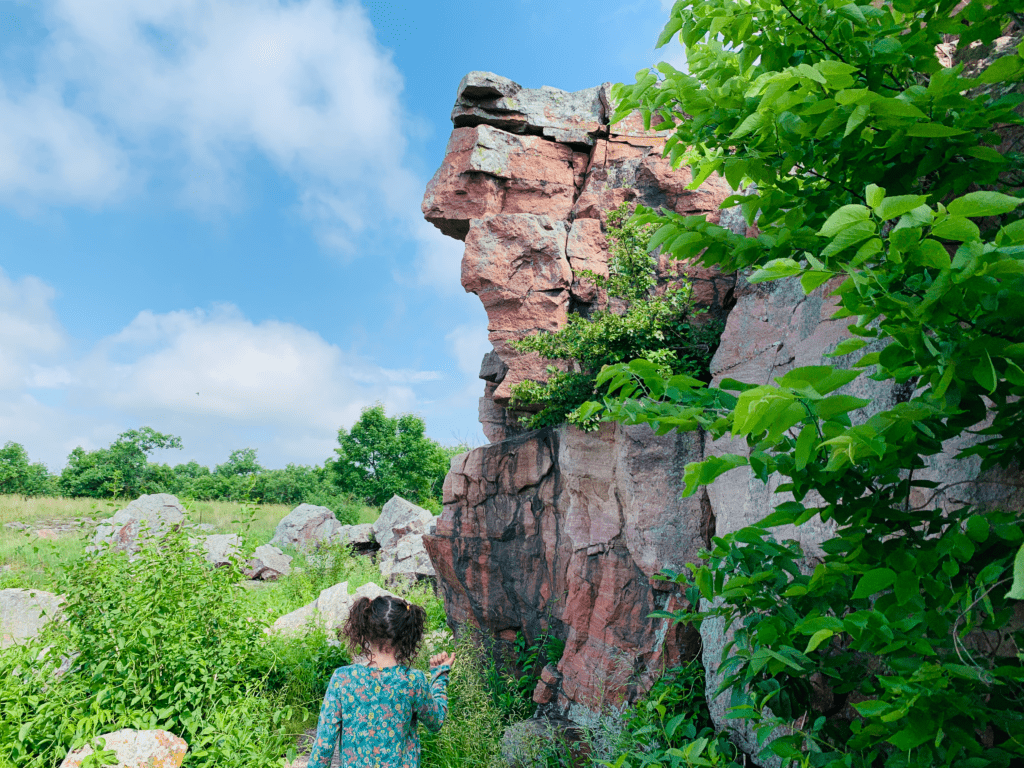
408	607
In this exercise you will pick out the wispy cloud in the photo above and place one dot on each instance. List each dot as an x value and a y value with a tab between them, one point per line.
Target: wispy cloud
212	376
122	86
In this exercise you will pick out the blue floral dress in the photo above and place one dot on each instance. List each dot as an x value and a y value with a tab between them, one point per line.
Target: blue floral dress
370	714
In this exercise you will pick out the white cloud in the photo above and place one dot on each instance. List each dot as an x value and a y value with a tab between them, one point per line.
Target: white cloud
30	333
439	264
124	84
468	345
213	377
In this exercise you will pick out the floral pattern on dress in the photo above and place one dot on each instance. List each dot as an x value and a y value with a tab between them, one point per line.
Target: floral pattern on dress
370	715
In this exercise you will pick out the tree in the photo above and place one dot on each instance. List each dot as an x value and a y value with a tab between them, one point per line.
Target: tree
121	469
240	463
382	456
18	475
876	168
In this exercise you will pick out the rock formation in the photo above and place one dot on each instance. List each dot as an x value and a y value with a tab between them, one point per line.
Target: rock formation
150	515
557	531
267	563
305	526
399	531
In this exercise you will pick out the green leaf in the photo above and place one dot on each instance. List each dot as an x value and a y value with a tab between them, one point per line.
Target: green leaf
976	204
817	639
853	234
846	347
751	123
775	270
843	218
933	131
894	207
977	528
700	473
874	194
1008	68
957	228
836	404
859	115
985	373
812	279
872	707
874	581
896	108
804	444
987	154
1017	588
908	586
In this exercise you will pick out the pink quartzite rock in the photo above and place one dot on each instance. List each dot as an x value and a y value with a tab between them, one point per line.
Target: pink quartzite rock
594	515
136	749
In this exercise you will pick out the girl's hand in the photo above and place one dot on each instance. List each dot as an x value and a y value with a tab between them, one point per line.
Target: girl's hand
442	658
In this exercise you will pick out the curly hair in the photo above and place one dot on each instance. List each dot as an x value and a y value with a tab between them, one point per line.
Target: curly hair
387	622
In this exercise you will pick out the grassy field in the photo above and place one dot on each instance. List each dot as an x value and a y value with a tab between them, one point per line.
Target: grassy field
27	558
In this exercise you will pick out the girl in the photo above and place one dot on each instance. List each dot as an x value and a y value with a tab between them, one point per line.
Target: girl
370	711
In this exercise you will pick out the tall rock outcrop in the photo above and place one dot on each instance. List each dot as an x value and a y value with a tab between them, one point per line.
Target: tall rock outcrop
560	531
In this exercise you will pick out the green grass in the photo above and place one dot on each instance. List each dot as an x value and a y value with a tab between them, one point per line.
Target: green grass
31	561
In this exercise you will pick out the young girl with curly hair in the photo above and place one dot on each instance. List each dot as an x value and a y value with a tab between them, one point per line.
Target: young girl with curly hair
371	710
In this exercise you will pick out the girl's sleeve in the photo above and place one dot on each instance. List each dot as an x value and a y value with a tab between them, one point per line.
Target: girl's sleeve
328	727
431	704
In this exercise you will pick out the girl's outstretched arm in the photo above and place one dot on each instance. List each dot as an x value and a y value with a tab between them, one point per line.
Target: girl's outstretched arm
328	727
431	705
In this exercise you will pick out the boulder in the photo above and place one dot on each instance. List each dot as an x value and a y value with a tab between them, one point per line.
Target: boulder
136	749
221	548
267	564
330	609
359	537
155	514
400	518
304	526
24	613
399	530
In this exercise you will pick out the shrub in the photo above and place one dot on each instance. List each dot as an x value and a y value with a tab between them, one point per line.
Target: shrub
655	326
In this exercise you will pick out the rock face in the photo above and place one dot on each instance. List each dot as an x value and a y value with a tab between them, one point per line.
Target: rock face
528	180
24	612
304	526
399	531
560	531
155	513
136	749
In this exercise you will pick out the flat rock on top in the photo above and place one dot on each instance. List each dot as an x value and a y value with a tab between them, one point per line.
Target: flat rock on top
568	117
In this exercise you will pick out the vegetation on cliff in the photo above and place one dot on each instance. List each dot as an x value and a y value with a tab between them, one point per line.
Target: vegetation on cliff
891	176
652	321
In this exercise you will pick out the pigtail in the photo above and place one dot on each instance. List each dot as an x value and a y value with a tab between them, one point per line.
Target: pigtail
357	630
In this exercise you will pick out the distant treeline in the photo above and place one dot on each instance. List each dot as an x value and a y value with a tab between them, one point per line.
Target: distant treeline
379	457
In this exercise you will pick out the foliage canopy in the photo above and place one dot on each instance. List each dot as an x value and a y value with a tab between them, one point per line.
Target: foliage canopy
881	178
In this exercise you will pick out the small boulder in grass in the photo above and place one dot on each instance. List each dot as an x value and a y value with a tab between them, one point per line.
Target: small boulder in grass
136	749
268	564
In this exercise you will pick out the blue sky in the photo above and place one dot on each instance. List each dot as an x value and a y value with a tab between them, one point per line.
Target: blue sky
209	211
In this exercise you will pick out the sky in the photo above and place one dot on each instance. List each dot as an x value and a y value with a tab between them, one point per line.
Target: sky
210	212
